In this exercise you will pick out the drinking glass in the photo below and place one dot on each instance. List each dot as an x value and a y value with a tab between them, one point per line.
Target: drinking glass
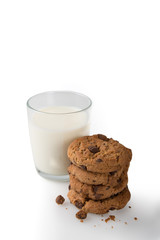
55	119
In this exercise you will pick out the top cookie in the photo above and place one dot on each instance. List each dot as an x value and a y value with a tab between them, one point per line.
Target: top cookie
98	153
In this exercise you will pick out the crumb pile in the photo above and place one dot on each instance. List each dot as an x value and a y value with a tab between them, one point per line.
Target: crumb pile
98	174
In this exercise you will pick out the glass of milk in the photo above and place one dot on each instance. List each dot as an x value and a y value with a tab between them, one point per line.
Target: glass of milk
55	119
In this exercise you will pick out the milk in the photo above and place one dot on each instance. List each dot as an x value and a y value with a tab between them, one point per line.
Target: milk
51	132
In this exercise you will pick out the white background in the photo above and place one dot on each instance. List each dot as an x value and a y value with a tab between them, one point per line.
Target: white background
108	50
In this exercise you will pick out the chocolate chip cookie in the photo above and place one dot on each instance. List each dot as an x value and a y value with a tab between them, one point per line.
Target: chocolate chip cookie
110	178
98	153
117	201
97	192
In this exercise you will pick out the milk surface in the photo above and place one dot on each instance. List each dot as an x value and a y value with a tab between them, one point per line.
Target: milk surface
51	135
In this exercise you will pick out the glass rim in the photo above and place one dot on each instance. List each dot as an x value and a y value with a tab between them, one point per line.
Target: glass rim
72	92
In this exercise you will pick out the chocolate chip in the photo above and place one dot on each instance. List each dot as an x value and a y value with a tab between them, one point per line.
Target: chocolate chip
81	214
94	188
103	137
79	204
94	181
98	196
99	160
107	187
93	149
60	199
112	173
83	167
69	187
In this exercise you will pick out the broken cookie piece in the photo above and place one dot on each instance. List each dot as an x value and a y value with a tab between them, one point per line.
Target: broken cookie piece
60	199
81	214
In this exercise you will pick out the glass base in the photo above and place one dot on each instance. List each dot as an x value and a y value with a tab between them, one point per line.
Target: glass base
63	178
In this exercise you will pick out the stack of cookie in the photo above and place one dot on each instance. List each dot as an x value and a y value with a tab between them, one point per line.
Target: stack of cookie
98	174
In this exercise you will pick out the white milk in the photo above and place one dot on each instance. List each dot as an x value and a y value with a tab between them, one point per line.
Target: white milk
51	135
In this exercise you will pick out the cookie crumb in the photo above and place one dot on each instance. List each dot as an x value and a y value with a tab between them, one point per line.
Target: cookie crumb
60	199
126	223
112	227
135	218
107	219
94	225
101	219
81	220
66	208
129	206
81	214
112	217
